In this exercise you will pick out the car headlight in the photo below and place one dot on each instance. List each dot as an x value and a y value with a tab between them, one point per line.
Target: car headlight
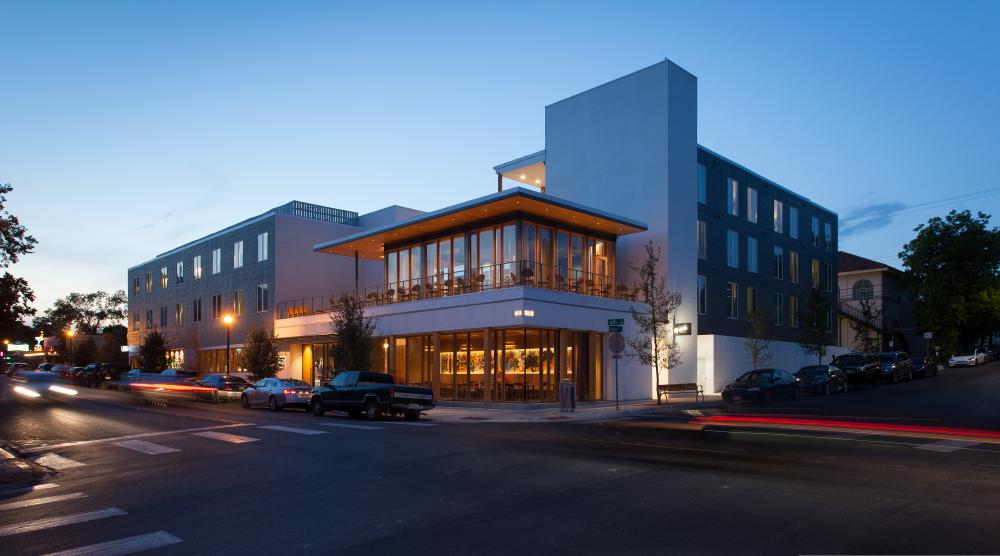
27	392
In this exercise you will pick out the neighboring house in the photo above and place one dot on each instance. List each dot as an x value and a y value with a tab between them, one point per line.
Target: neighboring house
894	328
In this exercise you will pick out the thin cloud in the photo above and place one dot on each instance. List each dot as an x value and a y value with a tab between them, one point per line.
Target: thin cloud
870	217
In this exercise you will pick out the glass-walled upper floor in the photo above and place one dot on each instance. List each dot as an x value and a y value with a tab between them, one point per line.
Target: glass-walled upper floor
515	252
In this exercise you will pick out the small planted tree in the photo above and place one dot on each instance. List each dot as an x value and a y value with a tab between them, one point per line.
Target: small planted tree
864	340
815	337
758	341
654	344
153	352
260	353
355	335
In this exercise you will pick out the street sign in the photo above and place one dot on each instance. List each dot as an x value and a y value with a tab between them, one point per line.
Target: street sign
18	347
616	325
616	343
928	335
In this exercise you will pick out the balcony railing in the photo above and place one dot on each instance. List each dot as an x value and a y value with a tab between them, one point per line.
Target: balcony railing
492	277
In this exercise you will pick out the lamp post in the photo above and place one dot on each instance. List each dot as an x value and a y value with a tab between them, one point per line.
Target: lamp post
228	319
69	345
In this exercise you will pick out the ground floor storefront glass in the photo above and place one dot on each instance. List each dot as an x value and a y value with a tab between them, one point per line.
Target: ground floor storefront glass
502	365
214	360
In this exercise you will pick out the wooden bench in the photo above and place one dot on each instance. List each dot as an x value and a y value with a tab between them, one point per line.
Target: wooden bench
686	388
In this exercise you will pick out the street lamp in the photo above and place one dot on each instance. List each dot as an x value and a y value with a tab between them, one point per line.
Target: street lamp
228	319
69	341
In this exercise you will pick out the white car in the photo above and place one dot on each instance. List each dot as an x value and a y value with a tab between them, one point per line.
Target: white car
967	359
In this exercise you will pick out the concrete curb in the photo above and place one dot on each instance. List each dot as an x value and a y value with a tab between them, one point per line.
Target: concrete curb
13	470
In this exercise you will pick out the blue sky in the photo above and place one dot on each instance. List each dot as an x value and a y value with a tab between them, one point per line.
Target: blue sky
128	128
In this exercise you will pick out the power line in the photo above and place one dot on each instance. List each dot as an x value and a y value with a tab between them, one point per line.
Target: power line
922	206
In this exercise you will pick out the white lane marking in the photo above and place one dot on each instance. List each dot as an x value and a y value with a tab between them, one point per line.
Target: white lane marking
146	447
347	426
51	447
225	437
694	412
40	501
23	490
120	547
292	429
946	445
57	462
58	521
410	423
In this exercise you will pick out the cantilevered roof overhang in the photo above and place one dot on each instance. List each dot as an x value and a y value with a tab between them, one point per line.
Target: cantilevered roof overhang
370	244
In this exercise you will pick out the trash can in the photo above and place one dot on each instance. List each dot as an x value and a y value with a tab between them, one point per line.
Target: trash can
567	395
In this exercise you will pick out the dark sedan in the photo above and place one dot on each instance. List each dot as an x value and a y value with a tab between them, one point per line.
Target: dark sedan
861	368
822	379
895	366
227	387
762	385
924	367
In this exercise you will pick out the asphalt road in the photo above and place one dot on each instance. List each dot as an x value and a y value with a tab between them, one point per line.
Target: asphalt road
196	478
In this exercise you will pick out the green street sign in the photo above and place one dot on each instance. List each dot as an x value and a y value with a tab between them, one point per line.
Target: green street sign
616	322
612	328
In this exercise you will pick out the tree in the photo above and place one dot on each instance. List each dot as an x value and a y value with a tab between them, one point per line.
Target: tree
113	338
815	336
864	341
355	334
951	270
758	341
260	353
84	352
15	294
88	312
655	343
153	352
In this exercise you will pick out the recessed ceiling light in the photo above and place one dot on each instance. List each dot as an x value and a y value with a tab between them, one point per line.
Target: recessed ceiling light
538	182
523	176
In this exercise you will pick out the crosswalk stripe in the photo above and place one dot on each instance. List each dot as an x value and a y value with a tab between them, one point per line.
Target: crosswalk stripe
292	429
349	426
23	490
225	437
120	547
40	501
146	447
58	521
946	445
57	462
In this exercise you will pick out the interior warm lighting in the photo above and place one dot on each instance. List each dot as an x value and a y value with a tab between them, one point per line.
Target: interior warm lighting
538	182
385	344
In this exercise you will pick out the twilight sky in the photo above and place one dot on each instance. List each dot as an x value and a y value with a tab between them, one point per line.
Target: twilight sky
128	128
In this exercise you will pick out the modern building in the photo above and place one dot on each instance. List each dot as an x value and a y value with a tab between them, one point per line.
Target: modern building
502	297
240	271
889	321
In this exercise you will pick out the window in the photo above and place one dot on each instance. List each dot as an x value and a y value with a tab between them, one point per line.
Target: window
179	314
732	296
149	319
751	302
702	184
815	273
237	302
779	309
136	319
751	254
779	217
164	279
179	272
751	205
196	271
815	231
733	197
702	294
779	263
262	301
163	317
829	319
793	267
149	282
828	277
216	261
828	236
862	290
238	254
135	286
196	310
702	240
793	311
732	249
793	222
216	306
262	247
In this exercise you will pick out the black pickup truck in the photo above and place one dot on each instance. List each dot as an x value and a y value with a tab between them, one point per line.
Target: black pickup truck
372	394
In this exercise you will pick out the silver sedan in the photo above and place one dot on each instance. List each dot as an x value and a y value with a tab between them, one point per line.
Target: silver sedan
277	393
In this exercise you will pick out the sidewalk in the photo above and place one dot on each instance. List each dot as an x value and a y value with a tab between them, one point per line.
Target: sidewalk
457	412
12	469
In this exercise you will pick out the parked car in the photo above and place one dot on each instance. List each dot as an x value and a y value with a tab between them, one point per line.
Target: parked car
15	367
861	368
895	366
41	385
227	387
112	373
277	394
762	385
924	367
373	394
45	367
89	376
177	374
970	358
822	379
